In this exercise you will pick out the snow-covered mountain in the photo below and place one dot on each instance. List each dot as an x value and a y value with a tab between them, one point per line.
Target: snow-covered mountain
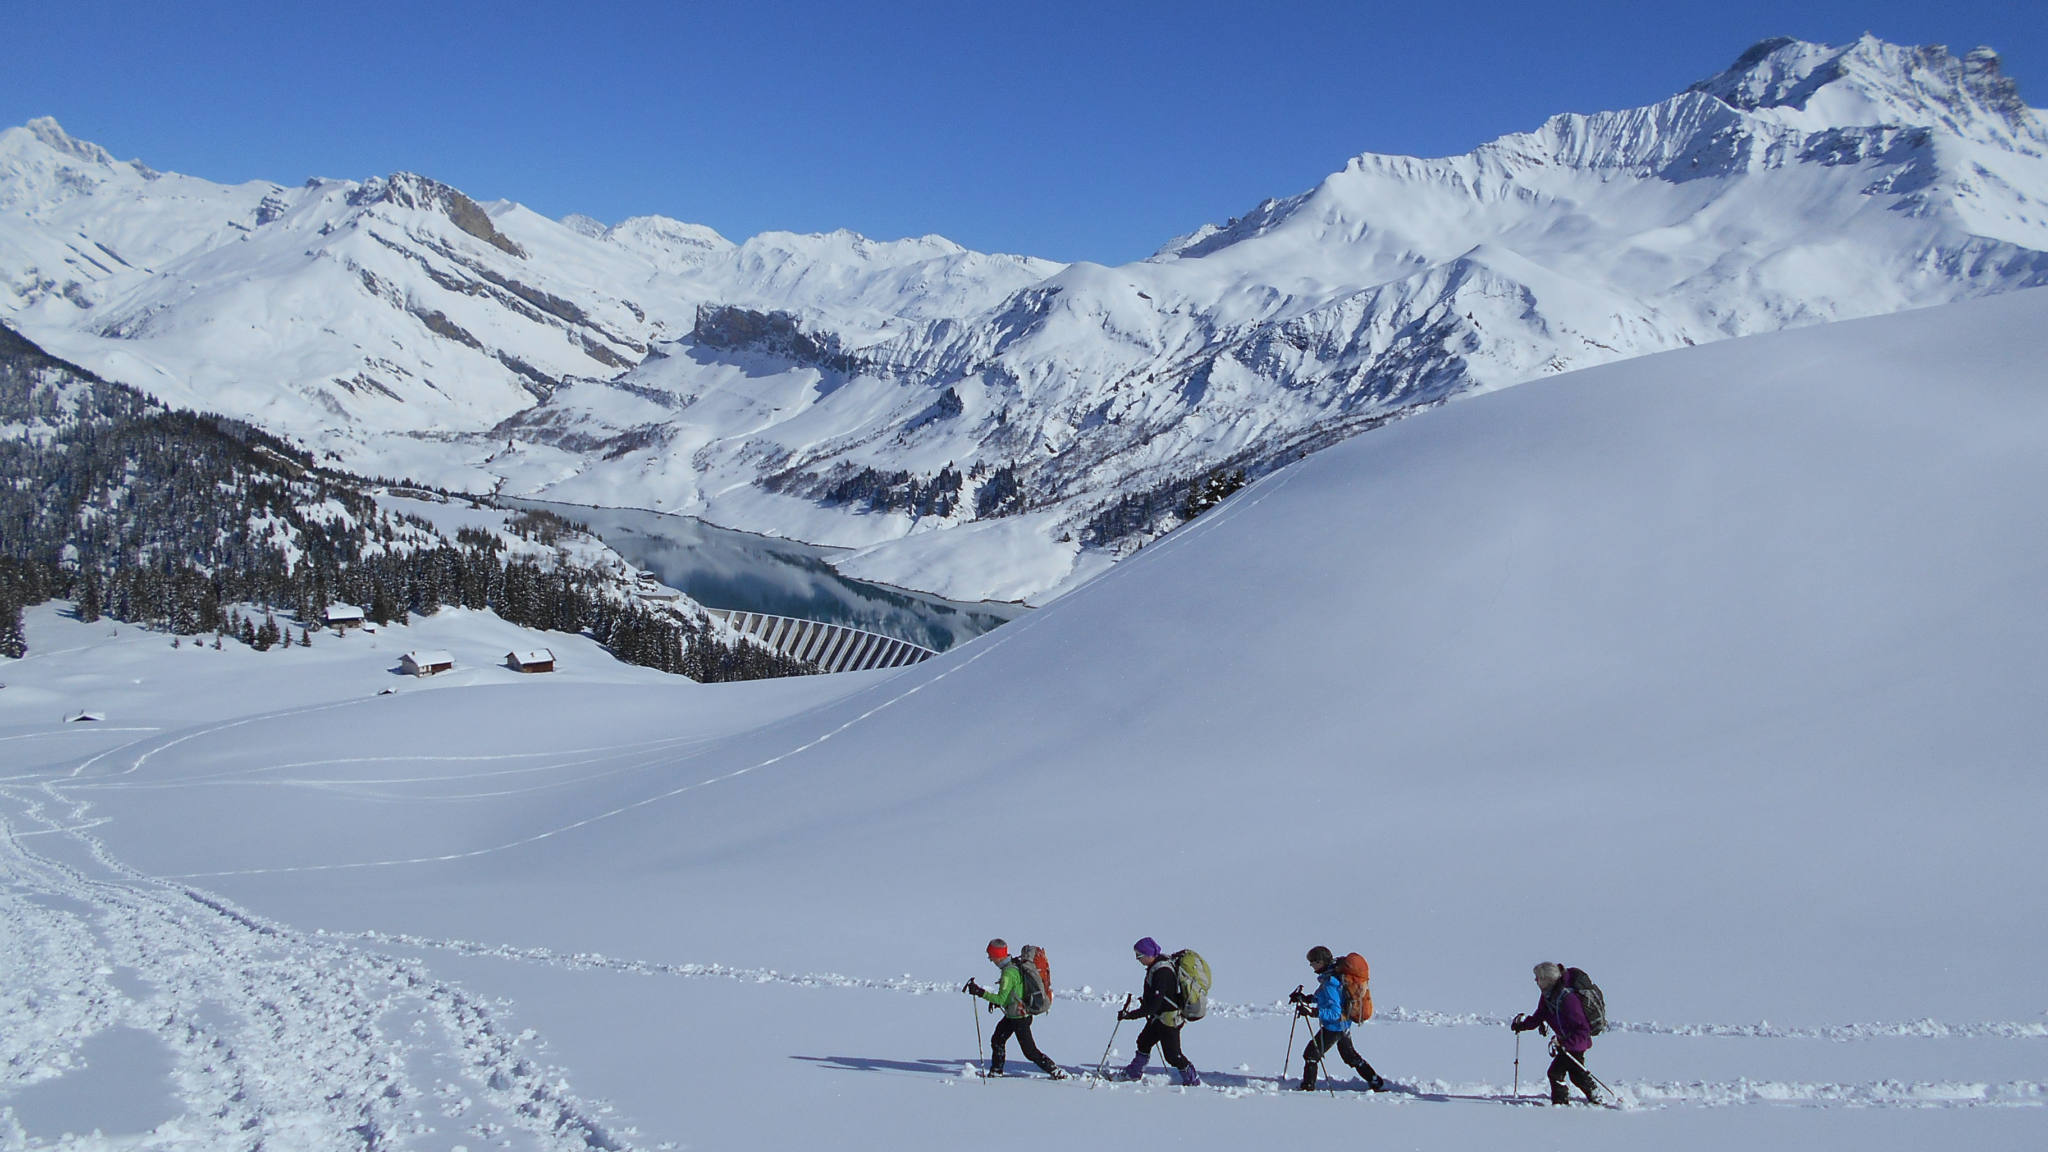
341	310
940	407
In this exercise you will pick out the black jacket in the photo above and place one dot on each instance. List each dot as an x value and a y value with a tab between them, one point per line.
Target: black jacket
1162	989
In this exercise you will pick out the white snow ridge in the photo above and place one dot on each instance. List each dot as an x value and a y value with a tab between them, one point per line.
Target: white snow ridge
1716	672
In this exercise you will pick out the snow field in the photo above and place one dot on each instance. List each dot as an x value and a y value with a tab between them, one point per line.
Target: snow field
1715	673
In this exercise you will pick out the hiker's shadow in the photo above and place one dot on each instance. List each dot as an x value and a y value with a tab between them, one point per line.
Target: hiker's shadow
945	1068
955	1068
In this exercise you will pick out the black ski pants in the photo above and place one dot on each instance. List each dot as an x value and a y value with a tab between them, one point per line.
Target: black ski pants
1020	1027
1565	1065
1166	1037
1319	1046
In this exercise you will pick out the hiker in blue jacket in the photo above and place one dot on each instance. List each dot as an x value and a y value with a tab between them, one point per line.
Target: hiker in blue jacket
1326	1006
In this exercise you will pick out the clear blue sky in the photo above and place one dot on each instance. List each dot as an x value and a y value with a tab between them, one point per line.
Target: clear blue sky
1067	130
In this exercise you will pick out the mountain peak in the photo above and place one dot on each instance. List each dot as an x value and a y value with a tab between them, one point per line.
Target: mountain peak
673	245
1872	81
412	190
41	165
52	135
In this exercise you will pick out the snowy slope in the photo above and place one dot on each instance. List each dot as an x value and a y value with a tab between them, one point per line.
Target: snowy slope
658	364
1715	672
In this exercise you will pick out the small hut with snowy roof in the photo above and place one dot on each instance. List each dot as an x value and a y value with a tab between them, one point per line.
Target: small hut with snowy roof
534	660
426	662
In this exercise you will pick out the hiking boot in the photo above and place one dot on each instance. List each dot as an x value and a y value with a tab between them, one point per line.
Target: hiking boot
1376	1082
1134	1070
1056	1072
1189	1078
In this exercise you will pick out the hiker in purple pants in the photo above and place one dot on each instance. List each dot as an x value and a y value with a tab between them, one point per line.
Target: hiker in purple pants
1559	1010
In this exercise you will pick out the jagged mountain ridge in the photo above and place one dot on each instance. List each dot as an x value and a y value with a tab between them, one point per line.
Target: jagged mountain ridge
341	310
831	388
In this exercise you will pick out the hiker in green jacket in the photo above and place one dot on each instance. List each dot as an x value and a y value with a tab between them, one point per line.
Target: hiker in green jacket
1009	996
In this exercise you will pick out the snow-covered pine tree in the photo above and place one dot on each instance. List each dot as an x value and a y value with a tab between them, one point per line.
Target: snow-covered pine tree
13	637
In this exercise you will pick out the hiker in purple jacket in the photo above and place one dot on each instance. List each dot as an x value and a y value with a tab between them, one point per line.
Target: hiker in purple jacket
1558	1009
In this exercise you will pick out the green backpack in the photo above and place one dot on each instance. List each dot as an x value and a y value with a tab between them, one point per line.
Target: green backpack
1194	983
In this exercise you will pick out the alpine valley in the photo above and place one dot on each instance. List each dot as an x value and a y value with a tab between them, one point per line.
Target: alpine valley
997	426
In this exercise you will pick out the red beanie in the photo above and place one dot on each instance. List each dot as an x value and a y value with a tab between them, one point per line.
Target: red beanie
998	950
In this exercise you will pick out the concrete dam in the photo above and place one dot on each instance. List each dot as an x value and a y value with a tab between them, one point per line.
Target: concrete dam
832	647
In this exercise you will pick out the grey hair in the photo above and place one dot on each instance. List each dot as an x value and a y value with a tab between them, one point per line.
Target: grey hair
1548	973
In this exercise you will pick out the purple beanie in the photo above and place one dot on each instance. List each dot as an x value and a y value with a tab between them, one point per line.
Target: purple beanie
1146	947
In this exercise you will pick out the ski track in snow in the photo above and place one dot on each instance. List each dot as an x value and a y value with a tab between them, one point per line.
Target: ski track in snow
277	1037
1839	1033
273	1037
1635	1094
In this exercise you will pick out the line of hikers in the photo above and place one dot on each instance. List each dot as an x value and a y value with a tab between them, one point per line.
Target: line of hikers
1569	1007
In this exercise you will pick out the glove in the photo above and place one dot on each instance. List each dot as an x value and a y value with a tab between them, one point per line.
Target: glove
1131	1014
1305	1011
972	989
1520	1023
1300	997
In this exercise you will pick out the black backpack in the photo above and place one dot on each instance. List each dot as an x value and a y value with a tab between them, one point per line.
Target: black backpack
1591	999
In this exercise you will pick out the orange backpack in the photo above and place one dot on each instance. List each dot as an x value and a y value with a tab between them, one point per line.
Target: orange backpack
1354	975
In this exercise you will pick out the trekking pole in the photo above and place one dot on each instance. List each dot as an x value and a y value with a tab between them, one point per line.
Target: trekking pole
1518	1065
976	1003
1611	1093
1101	1069
1294	1012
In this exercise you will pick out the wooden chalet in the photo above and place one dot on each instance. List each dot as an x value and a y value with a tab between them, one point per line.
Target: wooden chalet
426	662
535	660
